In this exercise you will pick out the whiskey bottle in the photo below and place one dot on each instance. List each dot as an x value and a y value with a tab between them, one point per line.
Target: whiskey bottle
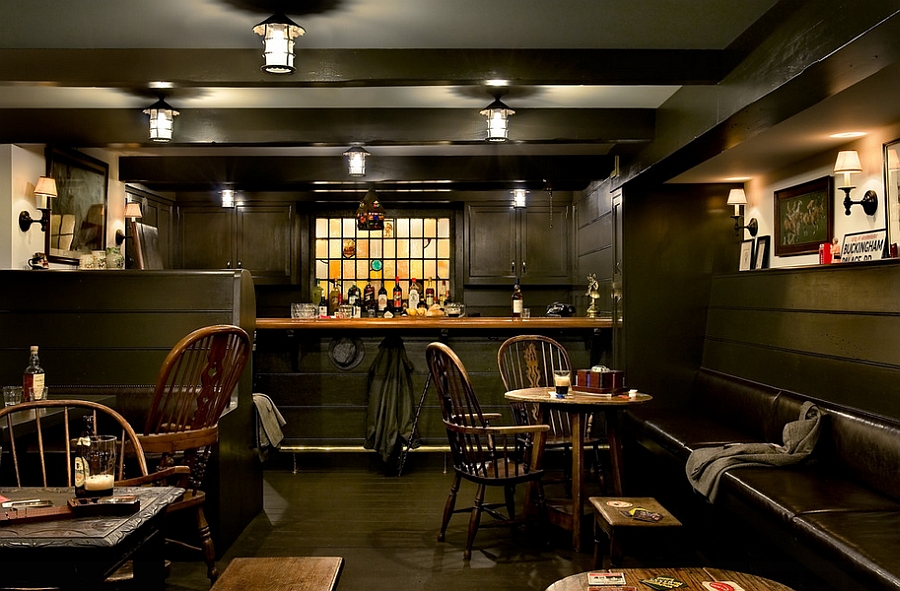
323	306
33	377
413	297
335	298
397	296
369	297
517	301
354	300
429	294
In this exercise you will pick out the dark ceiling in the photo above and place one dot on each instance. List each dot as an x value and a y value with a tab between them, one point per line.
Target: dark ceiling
404	79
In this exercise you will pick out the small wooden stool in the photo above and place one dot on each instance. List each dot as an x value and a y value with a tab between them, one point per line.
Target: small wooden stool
608	519
294	573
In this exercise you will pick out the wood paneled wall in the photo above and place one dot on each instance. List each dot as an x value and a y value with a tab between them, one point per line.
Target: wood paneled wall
108	328
831	332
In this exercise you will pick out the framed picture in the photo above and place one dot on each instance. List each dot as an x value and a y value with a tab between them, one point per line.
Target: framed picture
892	190
746	255
761	260
804	217
78	214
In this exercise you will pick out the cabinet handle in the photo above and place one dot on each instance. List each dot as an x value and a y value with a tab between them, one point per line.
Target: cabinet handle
240	264
524	272
512	267
228	265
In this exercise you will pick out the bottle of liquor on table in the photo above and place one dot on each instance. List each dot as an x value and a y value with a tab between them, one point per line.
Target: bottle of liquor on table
518	302
317	293
33	377
79	467
413	297
369	297
323	305
397	296
429	293
382	299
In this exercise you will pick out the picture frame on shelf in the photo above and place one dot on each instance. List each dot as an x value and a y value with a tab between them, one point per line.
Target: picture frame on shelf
746	260
892	191
761	257
804	217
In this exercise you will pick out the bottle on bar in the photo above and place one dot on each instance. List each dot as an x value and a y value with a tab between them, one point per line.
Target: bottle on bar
317	293
517	301
369	298
445	293
397	296
382	299
79	462
354	300
33	376
429	293
323	305
335	298
413	296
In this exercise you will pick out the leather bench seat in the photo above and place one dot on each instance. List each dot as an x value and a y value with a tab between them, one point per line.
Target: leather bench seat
681	431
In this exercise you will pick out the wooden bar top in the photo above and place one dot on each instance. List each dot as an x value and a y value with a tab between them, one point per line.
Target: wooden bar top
432	323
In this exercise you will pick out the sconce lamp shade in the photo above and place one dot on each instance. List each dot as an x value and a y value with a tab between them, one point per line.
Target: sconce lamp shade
133	210
737	197
356	161
162	118
497	115
46	187
278	33
847	163
519	198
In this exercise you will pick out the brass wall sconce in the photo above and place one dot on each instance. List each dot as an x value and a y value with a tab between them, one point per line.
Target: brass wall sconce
738	199
44	191
848	163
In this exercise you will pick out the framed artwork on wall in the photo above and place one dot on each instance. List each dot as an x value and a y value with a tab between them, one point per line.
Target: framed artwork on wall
892	190
78	214
761	260
746	261
804	217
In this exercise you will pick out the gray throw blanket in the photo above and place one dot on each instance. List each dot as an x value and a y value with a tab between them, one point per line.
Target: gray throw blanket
705	466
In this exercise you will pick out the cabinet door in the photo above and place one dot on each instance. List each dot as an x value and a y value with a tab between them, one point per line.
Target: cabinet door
207	237
490	243
263	242
544	255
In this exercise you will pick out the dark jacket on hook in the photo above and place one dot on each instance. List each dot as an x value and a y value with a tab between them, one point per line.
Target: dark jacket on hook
389	420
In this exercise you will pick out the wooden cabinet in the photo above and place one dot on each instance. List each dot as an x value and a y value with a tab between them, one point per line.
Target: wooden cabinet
503	243
259	238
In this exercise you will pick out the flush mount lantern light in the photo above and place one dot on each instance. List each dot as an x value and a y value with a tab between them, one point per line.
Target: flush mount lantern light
356	161
162	119
519	198
738	199
848	163
227	197
497	115
278	33
44	191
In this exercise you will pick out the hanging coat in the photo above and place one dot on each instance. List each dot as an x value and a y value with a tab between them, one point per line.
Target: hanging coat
389	420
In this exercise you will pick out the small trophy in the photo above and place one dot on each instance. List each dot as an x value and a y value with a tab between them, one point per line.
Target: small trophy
594	292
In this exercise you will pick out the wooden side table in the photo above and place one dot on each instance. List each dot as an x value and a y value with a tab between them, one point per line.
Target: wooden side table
609	519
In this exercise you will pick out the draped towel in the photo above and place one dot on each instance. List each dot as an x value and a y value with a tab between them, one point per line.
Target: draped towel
268	425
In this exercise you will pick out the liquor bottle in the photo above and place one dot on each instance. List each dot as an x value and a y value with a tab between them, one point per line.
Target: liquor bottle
354	300
323	305
79	467
517	302
445	293
369	297
33	377
429	293
317	292
382	299
335	298
397	296
413	297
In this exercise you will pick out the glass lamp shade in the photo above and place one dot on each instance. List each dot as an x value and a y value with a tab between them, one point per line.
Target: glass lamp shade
162	117
44	191
227	197
519	198
497	115
847	163
278	33
133	210
356	161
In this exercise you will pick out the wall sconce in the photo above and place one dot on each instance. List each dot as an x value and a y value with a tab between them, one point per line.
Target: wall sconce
278	33
356	161
44	191
848	163
132	213
738	199
162	120
519	198
497	115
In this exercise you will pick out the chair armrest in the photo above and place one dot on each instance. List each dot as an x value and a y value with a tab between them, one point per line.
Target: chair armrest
514	430
155	476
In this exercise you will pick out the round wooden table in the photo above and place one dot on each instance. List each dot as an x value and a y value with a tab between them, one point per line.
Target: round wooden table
694	577
577	405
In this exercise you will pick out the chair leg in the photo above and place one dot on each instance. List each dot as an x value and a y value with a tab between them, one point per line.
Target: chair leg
543	516
206	545
474	521
510	496
449	506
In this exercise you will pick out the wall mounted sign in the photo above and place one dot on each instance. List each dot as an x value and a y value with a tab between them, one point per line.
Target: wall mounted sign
863	246
804	217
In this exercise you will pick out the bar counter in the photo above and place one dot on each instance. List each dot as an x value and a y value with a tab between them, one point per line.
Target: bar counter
439	322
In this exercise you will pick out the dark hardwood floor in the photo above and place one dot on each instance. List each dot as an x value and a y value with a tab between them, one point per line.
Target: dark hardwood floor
385	528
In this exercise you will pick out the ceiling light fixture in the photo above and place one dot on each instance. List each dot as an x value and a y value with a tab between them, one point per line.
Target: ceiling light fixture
227	197
278	33
356	161
848	163
162	120
519	198
847	135
497	115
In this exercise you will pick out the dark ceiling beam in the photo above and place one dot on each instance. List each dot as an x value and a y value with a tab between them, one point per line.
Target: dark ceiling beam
287	173
189	68
322	127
